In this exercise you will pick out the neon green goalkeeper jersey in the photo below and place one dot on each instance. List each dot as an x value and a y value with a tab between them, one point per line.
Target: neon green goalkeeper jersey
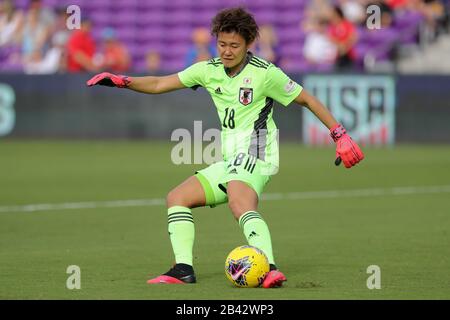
244	103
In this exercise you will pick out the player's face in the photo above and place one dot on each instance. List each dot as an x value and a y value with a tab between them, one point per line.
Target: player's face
232	49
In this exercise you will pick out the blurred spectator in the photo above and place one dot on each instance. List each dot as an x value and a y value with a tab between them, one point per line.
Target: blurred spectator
315	11
55	57
266	46
81	49
318	48
343	33
201	49
114	55
53	60
11	22
387	15
59	26
434	13
36	30
353	11
397	4
153	62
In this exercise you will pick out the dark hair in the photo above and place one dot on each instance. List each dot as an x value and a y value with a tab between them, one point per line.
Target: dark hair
237	20
339	11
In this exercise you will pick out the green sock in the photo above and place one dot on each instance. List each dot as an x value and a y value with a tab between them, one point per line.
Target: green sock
257	233
181	233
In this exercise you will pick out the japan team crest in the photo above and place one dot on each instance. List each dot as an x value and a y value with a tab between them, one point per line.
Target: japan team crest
245	96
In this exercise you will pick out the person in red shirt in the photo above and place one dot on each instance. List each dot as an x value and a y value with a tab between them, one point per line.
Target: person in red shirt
343	33
397	4
81	49
114	55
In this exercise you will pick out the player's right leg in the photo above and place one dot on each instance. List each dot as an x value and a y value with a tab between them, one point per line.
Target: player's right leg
180	201
244	186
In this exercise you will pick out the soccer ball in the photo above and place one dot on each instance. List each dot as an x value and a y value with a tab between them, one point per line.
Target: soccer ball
246	266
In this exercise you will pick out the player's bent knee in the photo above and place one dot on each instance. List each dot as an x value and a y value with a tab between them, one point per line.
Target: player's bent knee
176	198
239	206
181	198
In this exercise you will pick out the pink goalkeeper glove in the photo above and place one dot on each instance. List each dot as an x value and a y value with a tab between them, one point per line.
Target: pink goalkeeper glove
346	149
109	80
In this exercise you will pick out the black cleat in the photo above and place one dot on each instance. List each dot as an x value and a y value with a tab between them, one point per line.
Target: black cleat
180	273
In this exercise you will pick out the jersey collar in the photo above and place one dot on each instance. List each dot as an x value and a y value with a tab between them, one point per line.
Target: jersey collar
247	60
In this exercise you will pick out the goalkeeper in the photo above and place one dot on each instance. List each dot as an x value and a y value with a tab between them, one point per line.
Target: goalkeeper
243	88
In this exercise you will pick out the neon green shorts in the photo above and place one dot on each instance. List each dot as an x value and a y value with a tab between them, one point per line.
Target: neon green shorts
244	167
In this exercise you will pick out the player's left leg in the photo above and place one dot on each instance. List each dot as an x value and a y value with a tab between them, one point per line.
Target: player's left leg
197	191
180	201
243	202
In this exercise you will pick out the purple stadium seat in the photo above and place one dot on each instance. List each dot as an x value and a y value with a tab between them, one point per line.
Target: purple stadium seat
149	35
125	18
81	3
151	5
328	67
376	37
203	18
292	50
97	5
178	34
378	44
7	61
6	54
11	67
173	65
139	52
407	23
140	65
119	5
175	50
290	34
264	4
21	3
178	5
150	18
136	49
101	18
126	33
361	50
265	16
290	17
52	3
291	5
293	65
179	17
205	4
407	18
154	46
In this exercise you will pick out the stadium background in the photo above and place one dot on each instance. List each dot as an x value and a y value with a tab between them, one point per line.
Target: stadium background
84	172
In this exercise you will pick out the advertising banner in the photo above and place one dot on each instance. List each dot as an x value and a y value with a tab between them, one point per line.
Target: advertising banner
364	104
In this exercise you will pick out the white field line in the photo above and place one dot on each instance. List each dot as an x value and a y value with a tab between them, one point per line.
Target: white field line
306	195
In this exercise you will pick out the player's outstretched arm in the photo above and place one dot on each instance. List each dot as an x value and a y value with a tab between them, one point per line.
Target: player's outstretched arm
347	150
150	84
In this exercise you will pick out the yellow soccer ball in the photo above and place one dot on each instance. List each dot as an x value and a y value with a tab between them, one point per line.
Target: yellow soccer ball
246	266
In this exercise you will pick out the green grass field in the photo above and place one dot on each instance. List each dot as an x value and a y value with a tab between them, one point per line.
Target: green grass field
323	242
